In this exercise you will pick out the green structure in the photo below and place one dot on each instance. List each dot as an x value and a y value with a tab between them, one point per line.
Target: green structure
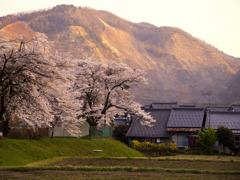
100	132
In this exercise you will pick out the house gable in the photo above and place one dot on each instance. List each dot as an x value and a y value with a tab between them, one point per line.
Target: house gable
186	119
231	120
158	128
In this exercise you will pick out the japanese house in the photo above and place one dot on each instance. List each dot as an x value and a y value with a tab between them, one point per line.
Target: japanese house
185	122
156	133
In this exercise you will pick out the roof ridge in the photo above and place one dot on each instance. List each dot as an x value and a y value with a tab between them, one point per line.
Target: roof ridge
188	108
225	112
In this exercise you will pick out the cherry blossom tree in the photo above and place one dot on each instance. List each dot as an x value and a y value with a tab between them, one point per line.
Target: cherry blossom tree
105	91
34	85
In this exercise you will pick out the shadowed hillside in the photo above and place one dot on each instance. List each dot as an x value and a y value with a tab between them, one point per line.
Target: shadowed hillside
179	66
232	94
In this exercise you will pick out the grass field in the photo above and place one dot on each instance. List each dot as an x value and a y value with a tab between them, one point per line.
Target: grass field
63	158
14	152
216	166
110	175
126	168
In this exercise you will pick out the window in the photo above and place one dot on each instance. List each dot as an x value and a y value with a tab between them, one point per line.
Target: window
237	141
180	140
158	140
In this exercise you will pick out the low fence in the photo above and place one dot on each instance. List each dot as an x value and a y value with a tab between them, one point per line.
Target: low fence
100	132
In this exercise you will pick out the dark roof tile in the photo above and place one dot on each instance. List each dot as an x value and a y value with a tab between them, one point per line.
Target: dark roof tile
214	109
158	128
163	105
235	108
186	118
230	120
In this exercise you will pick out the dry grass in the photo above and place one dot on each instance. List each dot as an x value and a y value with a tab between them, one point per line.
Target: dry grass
109	175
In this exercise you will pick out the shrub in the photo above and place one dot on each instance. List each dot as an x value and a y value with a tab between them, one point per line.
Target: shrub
143	145
146	145
136	144
23	133
206	139
154	146
225	137
237	152
172	147
151	148
17	133
120	133
162	147
37	133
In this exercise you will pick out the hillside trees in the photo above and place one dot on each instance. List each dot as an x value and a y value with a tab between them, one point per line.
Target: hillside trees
105	91
33	84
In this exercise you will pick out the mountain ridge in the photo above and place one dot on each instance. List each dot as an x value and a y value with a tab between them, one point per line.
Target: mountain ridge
179	67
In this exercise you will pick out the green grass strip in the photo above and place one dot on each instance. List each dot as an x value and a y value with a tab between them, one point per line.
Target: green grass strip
128	169
18	152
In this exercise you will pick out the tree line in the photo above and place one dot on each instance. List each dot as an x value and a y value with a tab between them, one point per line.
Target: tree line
45	88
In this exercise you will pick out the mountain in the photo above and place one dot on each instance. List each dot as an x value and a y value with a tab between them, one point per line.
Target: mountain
179	67
231	94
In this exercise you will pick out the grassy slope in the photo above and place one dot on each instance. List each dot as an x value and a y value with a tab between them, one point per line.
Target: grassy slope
19	152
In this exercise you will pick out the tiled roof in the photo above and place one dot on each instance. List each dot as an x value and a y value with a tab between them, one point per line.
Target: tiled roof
187	105
214	109
120	121
231	120
146	107
235	107
186	118
183	129
158	128
163	105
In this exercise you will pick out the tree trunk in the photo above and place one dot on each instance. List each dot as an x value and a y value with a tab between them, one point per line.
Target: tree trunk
5	122
6	127
52	134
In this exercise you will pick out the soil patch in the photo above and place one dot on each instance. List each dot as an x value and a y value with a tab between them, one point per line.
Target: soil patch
54	174
152	163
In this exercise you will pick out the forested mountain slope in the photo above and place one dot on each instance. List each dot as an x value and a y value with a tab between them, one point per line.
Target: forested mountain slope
179	67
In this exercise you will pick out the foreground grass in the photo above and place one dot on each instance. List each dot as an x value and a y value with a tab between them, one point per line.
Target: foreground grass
121	168
72	175
15	152
71	158
127	169
216	166
130	165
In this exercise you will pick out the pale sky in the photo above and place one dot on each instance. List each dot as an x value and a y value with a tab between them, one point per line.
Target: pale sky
217	22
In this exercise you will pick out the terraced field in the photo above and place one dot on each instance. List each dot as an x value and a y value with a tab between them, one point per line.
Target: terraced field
217	166
175	167
46	174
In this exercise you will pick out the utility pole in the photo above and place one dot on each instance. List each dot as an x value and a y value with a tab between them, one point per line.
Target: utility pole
208	93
